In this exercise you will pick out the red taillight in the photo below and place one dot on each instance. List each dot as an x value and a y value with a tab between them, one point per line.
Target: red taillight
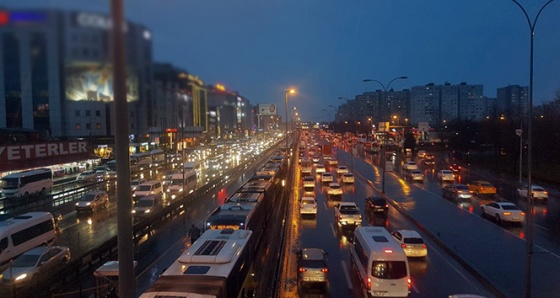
340	217
409	283
369	283
325	270
314	206
403	245
424	245
301	269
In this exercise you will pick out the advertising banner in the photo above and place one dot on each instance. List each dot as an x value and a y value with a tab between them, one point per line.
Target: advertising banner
94	82
268	109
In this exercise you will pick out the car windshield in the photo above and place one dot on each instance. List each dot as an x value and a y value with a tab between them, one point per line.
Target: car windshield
308	202
87	198
538	188
135	182
144	188
389	269
462	187
26	261
313	263
144	203
335	186
485	184
413	240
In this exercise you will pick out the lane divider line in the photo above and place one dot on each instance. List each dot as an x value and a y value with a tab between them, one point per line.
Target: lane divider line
346	275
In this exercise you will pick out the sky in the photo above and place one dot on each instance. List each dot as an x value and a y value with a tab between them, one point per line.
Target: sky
325	48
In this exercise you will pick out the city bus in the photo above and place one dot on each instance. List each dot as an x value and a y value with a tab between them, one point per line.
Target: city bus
216	265
24	232
26	183
143	160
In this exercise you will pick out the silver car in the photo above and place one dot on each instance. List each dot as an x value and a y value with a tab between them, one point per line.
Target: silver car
312	266
36	264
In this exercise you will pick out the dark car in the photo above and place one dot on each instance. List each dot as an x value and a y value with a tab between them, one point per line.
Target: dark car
377	205
454	191
455	168
429	160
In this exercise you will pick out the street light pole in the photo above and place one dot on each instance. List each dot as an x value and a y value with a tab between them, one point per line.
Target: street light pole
519	133
530	200
286	106
384	139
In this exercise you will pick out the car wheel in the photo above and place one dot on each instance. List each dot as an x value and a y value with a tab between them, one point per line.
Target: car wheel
483	214
498	219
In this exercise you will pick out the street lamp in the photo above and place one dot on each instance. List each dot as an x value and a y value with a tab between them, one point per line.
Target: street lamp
530	201
519	133
384	133
289	91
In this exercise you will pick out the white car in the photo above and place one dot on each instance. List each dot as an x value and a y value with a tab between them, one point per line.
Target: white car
410	165
308	205
308	181
320	169
341	170
416	175
503	211
446	175
326	177
86	176
92	200
421	153
316	159
348	178
411	242
334	189
134	184
538	192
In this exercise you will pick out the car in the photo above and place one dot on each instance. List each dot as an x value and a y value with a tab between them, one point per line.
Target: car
446	175
376	205
341	170
416	175
308	205
101	173
90	201
148	188
333	162
455	190
410	165
36	264
134	184
481	187
316	159
347	178
147	205
455	168
347	214
319	168
421	153
411	242
429	160
312	267
334	189
308	181
327	177
86	177
503	211
539	193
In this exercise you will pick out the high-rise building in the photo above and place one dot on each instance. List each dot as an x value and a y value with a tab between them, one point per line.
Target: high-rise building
472	105
425	104
512	102
56	73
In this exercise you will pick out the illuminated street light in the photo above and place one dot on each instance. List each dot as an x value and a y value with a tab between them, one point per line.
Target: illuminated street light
289	91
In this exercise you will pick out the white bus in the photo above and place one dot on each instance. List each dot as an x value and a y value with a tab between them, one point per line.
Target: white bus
182	183
158	157
143	160
380	262
27	183
216	265
24	232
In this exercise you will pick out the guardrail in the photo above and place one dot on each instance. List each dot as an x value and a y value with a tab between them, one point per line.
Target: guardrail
85	264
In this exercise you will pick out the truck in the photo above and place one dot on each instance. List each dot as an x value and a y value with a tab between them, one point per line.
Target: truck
327	151
347	214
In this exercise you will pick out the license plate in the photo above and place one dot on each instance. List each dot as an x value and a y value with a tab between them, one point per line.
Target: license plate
222	227
380	294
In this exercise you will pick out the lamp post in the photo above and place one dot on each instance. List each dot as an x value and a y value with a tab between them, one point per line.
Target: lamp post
530	201
519	133
289	91
383	141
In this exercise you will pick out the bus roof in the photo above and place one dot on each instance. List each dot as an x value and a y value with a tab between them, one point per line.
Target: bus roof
378	240
27	173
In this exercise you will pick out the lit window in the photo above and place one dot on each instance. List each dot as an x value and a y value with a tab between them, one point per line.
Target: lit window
78	126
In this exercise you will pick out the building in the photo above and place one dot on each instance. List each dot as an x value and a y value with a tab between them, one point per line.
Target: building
512	102
231	115
56	74
425	104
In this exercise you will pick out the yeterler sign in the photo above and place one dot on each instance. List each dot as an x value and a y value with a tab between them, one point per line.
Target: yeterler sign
15	157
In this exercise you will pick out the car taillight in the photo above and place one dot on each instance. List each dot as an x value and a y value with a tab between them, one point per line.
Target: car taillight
314	206
301	269
403	245
369	283
340	217
424	245
325	270
409	283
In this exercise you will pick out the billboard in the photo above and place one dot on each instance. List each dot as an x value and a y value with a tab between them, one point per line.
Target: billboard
268	109
94	82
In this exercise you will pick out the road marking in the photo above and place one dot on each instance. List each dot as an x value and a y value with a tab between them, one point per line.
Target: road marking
415	289
451	265
348	281
541	227
333	232
325	205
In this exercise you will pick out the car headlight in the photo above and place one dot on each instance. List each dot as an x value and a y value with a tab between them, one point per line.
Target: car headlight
21	276
88	204
181	190
147	211
168	190
77	204
133	211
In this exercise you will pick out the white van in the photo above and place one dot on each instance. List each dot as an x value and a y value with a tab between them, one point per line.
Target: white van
149	188
24	232
380	263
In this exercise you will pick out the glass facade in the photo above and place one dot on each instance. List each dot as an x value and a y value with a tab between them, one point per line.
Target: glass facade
40	81
12	80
